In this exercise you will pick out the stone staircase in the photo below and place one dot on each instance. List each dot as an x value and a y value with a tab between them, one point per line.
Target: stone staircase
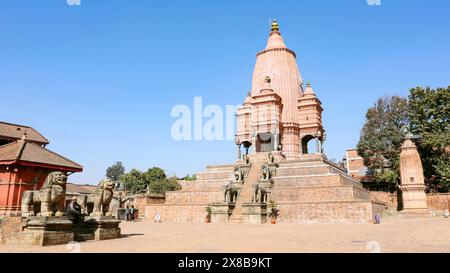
247	190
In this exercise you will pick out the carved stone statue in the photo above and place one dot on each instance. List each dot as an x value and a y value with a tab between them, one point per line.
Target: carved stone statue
259	193
51	195
246	159
100	199
271	158
230	193
266	173
238	174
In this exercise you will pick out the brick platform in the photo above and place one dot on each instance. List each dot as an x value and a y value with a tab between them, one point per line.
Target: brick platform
306	190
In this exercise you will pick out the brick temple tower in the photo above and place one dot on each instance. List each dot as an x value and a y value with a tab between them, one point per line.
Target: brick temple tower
278	114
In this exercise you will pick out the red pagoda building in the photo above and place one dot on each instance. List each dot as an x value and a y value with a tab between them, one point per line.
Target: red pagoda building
25	164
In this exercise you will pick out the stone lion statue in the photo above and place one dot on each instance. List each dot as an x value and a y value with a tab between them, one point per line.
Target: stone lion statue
260	194
271	158
100	199
230	193
50	196
238	174
265	172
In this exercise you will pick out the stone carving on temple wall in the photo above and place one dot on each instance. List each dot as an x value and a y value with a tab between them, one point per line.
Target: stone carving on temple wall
266	173
100	199
51	195
271	158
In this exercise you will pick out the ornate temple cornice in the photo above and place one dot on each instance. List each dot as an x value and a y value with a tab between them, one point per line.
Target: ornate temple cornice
277	49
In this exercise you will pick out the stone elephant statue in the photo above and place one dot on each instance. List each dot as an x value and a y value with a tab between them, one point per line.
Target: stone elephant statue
260	194
231	193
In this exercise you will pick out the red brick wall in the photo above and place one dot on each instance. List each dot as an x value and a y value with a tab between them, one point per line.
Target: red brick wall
438	201
14	180
434	201
355	164
140	202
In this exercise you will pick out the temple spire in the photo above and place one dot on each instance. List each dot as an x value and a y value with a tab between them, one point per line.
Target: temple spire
275	26
275	39
309	90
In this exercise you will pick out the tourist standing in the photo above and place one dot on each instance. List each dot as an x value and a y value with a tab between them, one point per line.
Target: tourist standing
127	214
132	213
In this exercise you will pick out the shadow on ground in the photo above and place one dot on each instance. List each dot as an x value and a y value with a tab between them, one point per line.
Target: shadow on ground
131	235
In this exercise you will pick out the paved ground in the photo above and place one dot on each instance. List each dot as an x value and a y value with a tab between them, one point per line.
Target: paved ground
393	235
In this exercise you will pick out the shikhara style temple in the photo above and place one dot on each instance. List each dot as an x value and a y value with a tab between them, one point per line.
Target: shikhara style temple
25	163
279	114
278	118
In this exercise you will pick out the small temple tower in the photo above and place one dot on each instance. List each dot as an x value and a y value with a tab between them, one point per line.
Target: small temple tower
278	115
310	116
412	180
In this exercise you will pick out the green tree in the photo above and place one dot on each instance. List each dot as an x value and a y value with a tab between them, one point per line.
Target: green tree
154	180
429	114
161	186
134	182
115	171
382	136
190	178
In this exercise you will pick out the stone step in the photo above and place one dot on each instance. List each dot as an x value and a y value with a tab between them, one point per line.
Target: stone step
305	160
326	212
201	185
304	170
247	192
194	197
214	168
216	175
314	194
314	180
308	180
259	157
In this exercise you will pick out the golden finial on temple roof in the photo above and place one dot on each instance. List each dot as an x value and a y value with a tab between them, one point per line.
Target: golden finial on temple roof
308	84
275	26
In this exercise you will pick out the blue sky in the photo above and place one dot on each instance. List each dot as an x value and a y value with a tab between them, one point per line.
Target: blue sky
99	80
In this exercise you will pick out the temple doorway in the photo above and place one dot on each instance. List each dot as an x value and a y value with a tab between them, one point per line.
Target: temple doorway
247	146
265	142
308	146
